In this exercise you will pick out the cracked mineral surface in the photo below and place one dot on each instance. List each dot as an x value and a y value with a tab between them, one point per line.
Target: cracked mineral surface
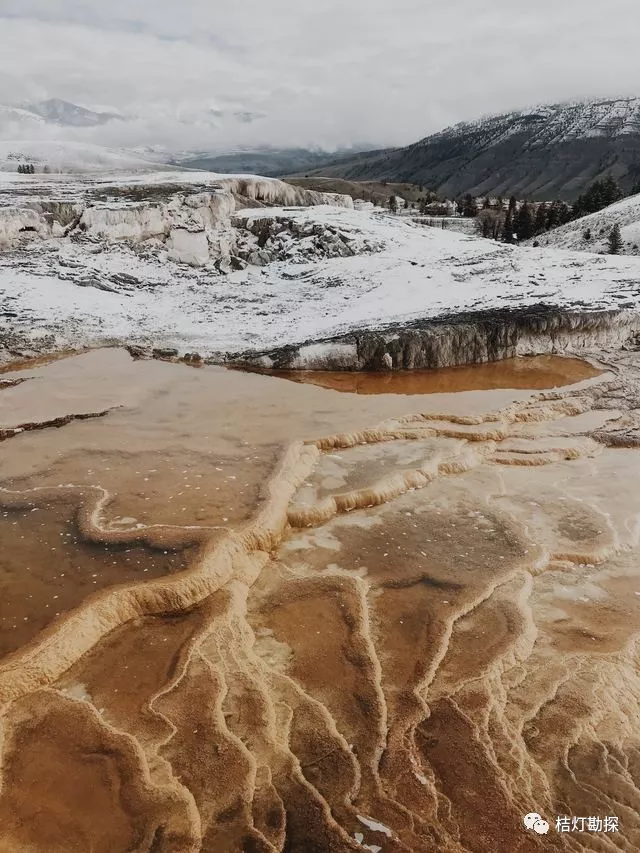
240	613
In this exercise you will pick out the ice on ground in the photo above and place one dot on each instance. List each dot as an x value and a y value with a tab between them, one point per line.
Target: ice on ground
374	825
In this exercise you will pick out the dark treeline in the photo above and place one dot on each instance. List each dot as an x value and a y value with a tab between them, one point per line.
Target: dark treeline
525	220
599	195
519	221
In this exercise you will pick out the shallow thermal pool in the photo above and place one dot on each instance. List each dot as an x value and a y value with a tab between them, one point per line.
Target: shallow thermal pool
245	614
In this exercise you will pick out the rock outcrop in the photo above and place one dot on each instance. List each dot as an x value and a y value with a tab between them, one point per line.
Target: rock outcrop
467	338
194	223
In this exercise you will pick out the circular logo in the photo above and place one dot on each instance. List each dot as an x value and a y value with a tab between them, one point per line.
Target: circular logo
534	821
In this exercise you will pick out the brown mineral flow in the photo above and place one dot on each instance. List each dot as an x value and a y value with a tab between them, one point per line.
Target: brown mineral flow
245	614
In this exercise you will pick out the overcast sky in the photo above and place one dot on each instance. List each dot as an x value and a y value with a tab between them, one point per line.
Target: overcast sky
313	72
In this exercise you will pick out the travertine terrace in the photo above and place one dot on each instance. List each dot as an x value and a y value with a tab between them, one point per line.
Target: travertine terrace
245	614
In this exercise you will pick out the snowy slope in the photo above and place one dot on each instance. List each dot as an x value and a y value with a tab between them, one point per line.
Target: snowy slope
69	157
590	233
552	124
335	271
543	152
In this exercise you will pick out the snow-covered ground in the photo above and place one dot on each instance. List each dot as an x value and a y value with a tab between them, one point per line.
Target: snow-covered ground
591	233
66	157
460	224
293	274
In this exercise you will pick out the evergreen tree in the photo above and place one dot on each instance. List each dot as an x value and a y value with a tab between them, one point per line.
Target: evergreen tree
564	213
553	216
469	206
600	194
611	190
20	169
507	231
558	213
540	224
393	204
615	240
489	223
524	222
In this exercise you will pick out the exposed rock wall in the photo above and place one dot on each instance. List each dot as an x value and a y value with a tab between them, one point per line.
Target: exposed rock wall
17	224
195	226
137	222
467	339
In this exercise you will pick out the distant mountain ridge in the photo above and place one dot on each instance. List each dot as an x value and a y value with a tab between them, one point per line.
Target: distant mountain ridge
69	115
270	162
549	151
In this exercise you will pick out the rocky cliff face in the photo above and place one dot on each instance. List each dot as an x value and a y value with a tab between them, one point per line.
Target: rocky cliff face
193	223
470	338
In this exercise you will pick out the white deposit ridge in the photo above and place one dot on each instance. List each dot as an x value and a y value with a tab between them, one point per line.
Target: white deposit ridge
178	261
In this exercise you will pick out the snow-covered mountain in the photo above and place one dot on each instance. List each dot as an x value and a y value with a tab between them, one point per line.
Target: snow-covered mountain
554	124
19	123
544	152
591	233
33	120
66	114
189	136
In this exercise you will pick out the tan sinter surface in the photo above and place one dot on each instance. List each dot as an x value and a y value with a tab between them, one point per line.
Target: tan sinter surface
243	614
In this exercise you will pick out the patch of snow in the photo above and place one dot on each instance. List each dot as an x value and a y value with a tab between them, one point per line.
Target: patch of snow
374	826
328	356
79	691
120	222
63	156
188	247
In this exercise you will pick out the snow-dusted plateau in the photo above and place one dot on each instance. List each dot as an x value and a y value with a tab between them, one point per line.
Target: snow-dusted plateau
253	270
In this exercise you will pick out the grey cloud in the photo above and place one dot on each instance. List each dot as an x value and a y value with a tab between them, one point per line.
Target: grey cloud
331	72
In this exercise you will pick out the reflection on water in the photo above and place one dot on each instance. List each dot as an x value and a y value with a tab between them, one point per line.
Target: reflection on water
47	568
537	372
